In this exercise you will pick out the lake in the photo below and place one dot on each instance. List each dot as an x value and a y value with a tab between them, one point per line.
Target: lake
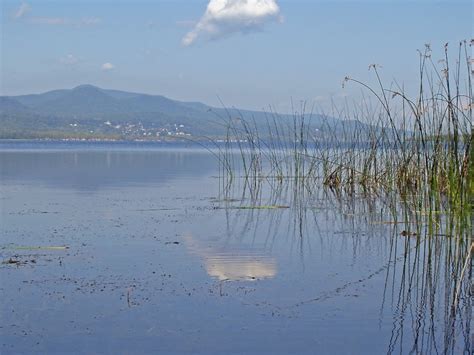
129	248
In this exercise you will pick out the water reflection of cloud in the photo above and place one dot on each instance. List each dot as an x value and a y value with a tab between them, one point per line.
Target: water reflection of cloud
236	267
233	262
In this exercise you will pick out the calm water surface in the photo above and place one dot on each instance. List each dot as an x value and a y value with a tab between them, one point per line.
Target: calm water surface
160	259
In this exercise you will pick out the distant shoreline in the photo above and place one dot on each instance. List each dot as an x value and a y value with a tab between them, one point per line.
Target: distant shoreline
99	140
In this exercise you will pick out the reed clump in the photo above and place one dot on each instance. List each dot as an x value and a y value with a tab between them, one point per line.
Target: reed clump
418	146
408	155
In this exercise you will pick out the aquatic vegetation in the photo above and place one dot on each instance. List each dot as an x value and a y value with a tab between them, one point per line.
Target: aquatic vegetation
413	155
417	148
412	145
426	294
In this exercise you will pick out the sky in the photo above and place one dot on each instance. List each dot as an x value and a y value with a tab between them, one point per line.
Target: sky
246	53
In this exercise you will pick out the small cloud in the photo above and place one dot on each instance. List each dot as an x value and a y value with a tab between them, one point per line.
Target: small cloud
49	21
64	21
107	66
89	21
69	60
225	17
22	10
54	21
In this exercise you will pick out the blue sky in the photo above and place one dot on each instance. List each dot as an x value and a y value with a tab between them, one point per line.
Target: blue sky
251	56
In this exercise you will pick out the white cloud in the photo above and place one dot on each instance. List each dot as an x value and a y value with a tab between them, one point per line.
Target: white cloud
107	66
49	20
64	21
89	21
54	21
225	17
22	10
69	59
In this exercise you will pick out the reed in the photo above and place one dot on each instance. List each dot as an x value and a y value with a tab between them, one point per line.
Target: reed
418	147
411	154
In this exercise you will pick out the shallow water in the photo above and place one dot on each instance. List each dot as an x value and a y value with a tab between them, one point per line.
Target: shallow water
160	259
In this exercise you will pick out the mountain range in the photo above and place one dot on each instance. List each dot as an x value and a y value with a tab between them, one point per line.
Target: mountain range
88	111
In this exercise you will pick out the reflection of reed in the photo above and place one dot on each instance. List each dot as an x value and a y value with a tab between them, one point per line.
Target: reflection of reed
422	283
428	271
428	274
410	168
268	206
